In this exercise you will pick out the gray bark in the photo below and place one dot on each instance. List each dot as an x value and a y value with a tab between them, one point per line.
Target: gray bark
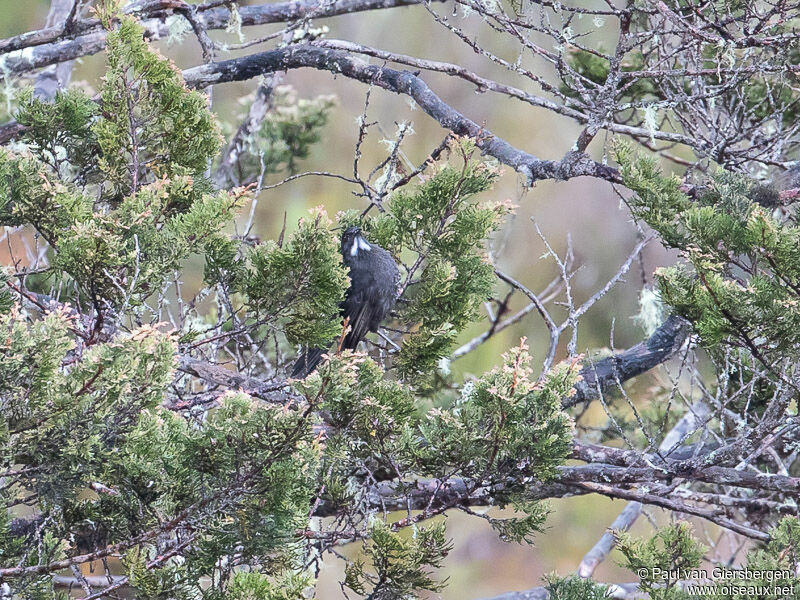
338	62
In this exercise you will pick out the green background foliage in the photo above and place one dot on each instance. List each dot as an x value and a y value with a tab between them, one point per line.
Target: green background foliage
118	244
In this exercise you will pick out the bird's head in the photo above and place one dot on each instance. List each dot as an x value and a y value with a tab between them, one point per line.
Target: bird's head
354	243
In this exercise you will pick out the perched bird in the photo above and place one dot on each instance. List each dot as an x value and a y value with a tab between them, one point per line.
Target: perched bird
372	293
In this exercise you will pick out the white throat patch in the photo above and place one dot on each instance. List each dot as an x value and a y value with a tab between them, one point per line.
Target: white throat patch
359	244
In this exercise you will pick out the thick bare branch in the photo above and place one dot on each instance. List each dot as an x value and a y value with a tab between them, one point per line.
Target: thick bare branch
272	391
57	77
687	425
209	15
658	348
399	82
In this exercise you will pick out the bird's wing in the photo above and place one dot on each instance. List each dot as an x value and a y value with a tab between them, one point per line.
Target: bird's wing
372	293
359	311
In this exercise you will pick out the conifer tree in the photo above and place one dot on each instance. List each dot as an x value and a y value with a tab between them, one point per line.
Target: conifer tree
151	441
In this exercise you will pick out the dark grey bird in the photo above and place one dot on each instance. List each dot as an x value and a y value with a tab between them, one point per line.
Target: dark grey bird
374	278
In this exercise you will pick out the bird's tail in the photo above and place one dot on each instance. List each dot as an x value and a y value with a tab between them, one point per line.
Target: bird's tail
307	362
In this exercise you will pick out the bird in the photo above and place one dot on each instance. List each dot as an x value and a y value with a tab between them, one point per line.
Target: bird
374	279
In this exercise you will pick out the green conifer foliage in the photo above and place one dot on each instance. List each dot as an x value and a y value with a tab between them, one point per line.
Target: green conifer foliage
118	190
672	549
574	588
504	422
257	586
206	493
151	121
441	231
299	284
400	564
740	279
102	421
289	130
672	559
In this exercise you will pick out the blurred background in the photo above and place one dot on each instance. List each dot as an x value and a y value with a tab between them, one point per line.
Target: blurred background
586	210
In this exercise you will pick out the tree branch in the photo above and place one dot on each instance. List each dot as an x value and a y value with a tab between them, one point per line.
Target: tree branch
658	348
685	426
209	15
50	80
431	494
624	365
276	391
399	82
